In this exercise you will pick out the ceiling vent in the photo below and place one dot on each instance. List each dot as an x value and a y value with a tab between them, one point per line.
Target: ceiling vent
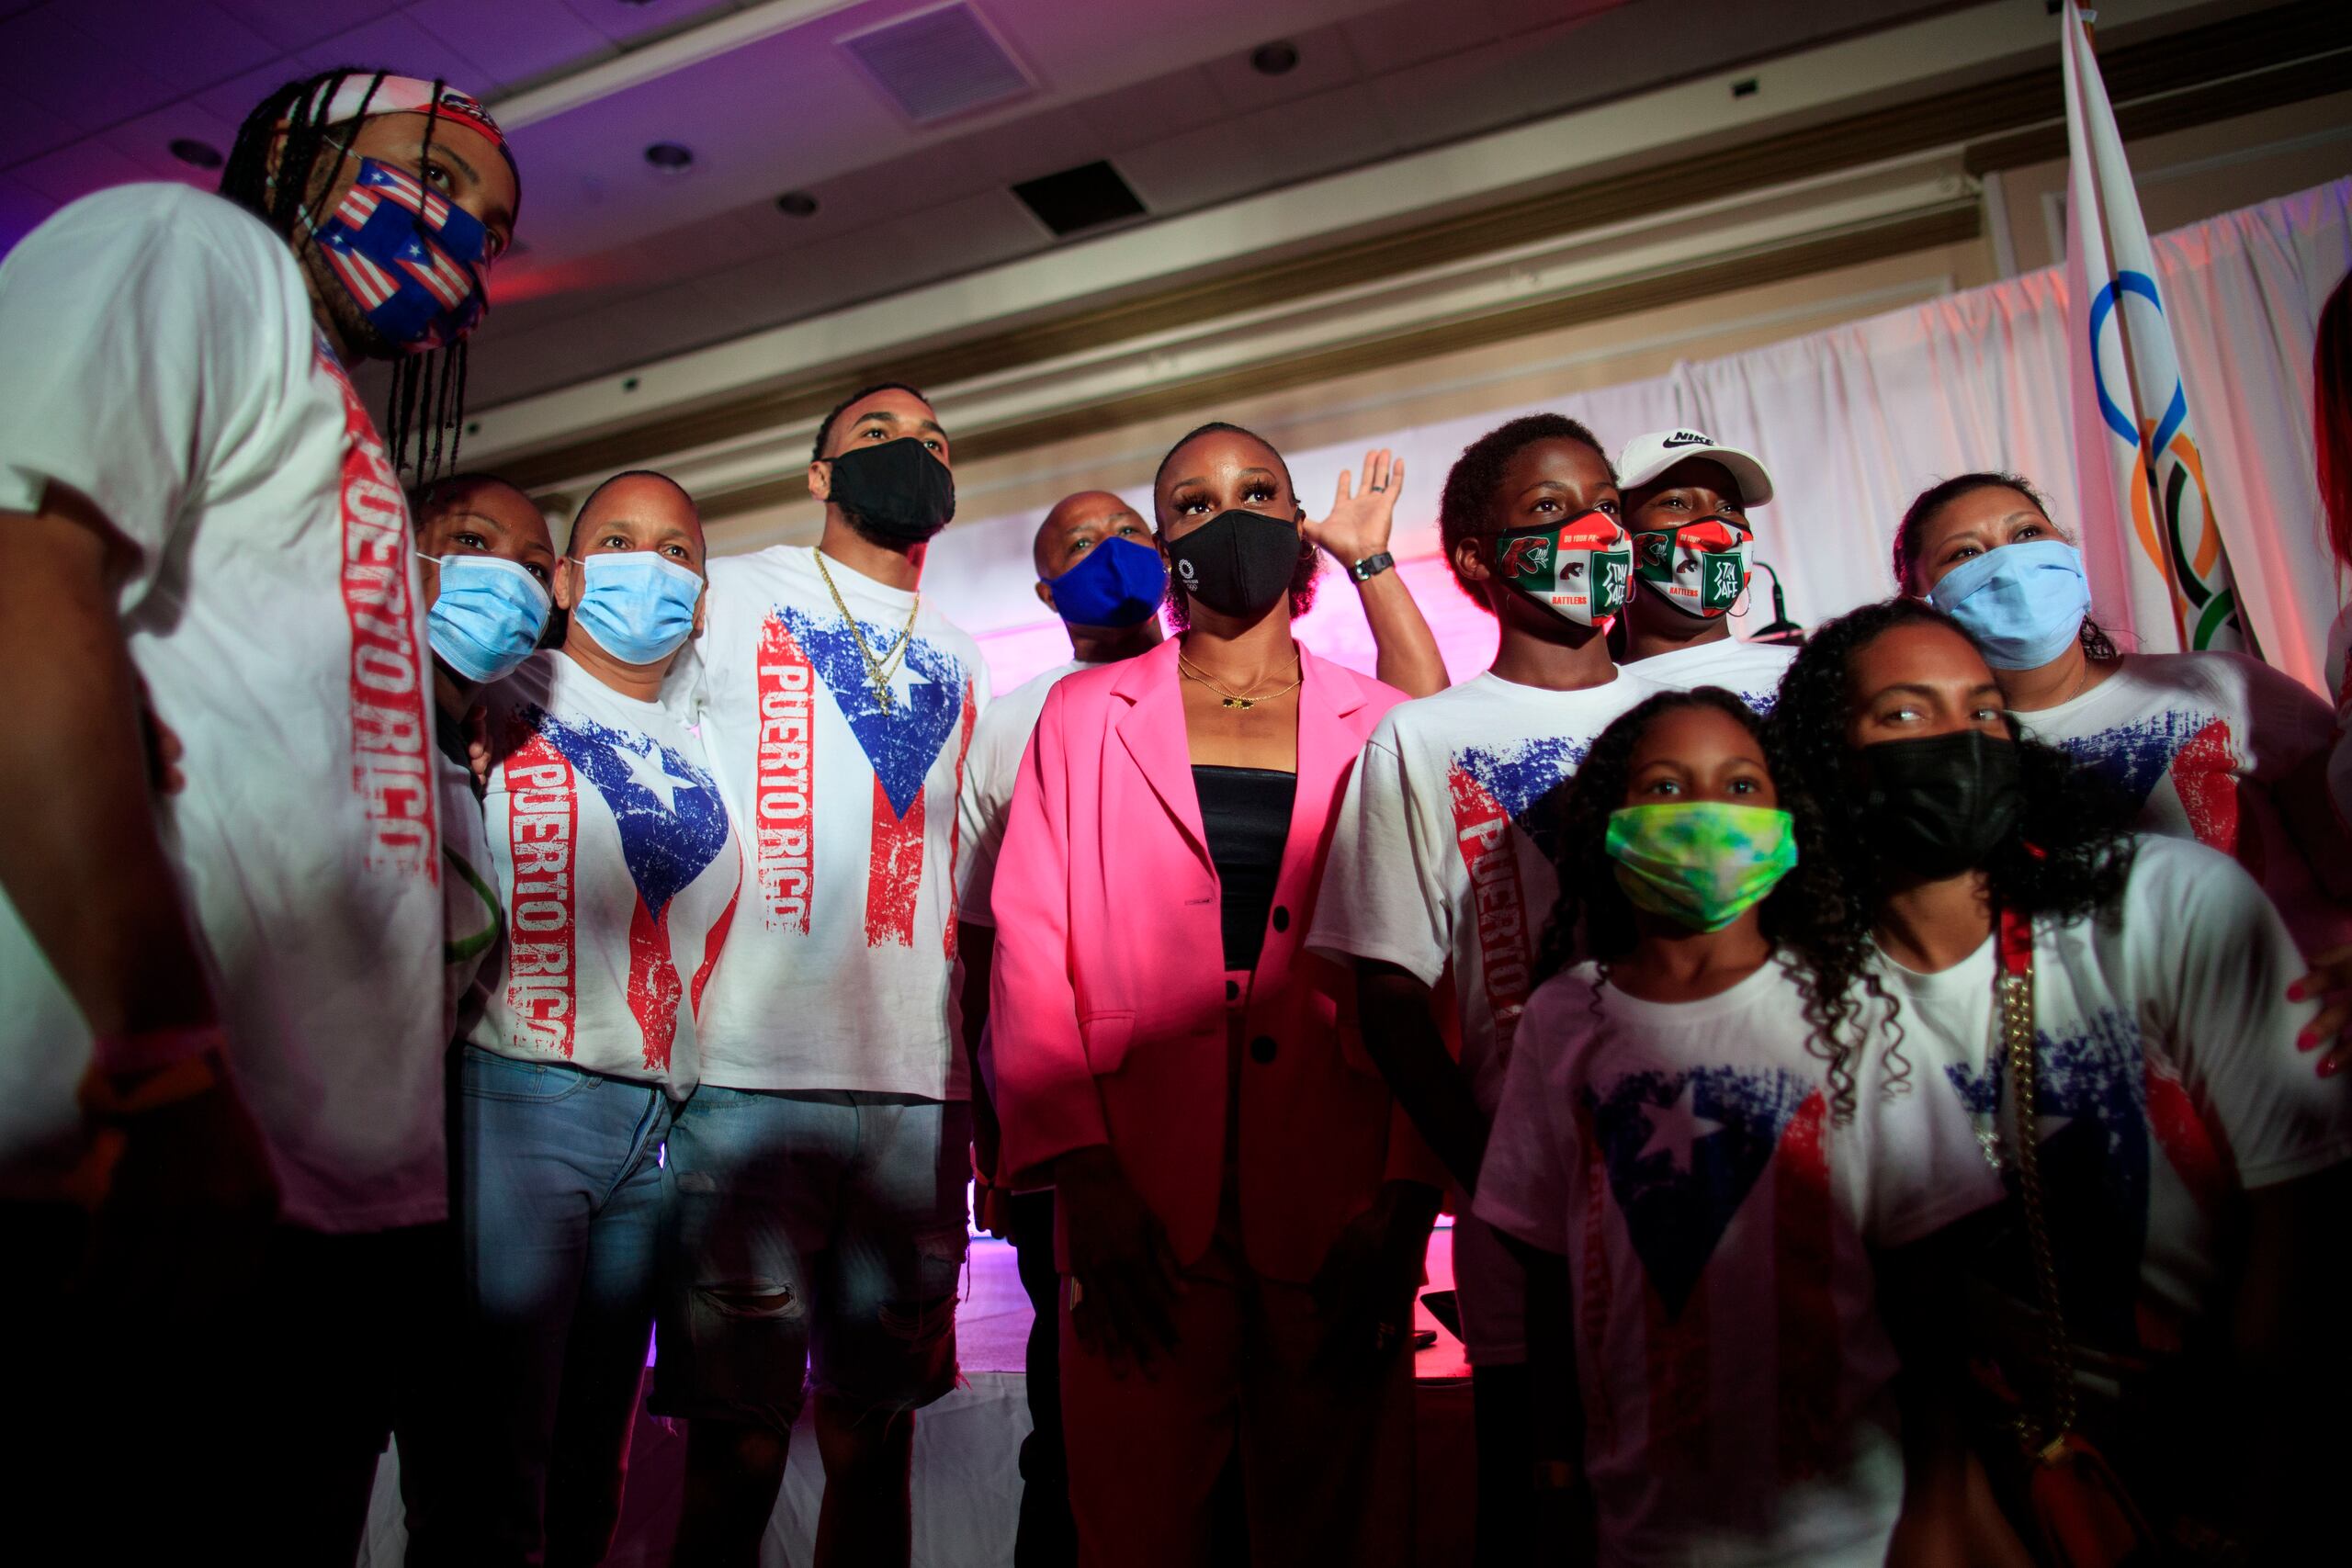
1077	199
939	63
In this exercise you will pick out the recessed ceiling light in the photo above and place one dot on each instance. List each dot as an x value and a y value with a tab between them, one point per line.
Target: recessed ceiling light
195	154
1276	59
797	204
670	157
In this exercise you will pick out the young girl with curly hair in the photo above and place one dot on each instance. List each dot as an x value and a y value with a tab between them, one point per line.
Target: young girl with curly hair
2100	1039
1679	1126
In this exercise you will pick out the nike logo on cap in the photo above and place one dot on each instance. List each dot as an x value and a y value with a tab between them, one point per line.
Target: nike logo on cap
1687	438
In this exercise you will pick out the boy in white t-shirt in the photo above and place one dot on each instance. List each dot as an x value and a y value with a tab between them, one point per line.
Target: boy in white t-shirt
815	1180
1686	498
191	494
1440	862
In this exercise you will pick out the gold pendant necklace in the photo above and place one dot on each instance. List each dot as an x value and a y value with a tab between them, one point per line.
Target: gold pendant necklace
1236	699
878	671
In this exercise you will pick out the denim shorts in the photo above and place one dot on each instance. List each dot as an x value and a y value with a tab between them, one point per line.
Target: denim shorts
817	1230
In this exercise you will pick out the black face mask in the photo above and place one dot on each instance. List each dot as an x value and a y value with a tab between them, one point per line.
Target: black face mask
1237	563
1941	804
896	488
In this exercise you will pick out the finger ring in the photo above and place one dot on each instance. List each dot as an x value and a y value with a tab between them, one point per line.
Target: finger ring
1379	487
1077	1293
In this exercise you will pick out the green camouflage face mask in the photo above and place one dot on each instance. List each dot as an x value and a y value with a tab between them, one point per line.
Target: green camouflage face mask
1703	862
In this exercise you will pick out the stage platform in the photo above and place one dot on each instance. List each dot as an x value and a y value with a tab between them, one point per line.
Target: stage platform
968	1481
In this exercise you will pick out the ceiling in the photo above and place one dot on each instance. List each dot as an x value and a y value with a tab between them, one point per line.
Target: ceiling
622	264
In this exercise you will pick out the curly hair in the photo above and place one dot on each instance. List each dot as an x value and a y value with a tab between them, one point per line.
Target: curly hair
2069	854
1910	538
1464	506
1310	560
1810	917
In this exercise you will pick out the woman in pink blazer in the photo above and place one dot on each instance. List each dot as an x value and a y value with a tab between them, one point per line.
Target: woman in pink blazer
1244	1209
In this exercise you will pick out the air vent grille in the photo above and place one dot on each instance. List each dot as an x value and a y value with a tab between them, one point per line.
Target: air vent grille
939	63
1076	199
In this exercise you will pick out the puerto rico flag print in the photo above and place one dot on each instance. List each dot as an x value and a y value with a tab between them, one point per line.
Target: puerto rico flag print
672	824
392	761
2108	1107
2186	749
1494	796
1719	1179
802	655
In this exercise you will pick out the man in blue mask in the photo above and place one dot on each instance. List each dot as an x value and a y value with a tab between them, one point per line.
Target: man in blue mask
222	1014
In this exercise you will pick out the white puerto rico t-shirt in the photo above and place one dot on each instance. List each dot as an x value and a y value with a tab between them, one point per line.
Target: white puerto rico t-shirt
619	870
2200	740
1442	859
1750	670
167	368
836	975
998	743
2169	1083
1716	1219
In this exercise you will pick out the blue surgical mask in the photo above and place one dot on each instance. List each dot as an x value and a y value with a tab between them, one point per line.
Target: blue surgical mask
1117	583
2023	604
636	606
488	617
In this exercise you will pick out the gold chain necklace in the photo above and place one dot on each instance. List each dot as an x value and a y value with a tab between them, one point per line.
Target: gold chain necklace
878	671
1236	699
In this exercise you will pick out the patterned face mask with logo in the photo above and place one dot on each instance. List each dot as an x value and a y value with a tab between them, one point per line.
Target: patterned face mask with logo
1699	567
1578	569
411	258
1701	863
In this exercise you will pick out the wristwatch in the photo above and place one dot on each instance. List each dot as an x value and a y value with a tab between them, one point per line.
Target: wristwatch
1371	566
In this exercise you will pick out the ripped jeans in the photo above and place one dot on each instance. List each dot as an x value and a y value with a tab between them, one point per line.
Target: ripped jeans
819	1230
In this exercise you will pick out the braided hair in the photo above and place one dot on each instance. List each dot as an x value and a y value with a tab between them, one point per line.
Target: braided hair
428	395
1817	926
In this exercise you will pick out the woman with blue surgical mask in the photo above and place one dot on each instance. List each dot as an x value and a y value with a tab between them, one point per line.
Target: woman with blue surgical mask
2216	747
486	567
613	856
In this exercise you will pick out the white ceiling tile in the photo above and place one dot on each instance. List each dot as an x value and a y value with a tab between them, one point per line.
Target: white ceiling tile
297	24
21	213
514	40
1153	110
1210	164
48	62
398	44
234	100
1324	61
27	130
77	171
1526	15
623	23
1398	36
203	44
149	140
1459	96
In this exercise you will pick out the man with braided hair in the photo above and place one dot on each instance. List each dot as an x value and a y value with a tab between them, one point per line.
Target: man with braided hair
221	1012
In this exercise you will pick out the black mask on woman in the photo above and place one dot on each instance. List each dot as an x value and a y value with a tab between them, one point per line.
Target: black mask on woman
1237	563
896	488
1941	804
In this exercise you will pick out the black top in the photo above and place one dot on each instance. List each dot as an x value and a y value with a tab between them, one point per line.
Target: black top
1245	813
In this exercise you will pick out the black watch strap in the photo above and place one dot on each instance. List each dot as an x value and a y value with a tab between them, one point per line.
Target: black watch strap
1371	566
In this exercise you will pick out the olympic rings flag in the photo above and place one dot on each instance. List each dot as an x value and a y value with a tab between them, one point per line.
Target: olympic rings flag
2151	541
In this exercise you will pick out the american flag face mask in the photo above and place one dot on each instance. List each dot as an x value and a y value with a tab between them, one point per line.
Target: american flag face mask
410	258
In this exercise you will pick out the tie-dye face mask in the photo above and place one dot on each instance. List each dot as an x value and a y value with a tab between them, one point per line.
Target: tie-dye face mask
1578	569
1699	567
1703	863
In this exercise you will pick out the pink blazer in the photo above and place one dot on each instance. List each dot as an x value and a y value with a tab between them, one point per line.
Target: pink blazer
1108	1009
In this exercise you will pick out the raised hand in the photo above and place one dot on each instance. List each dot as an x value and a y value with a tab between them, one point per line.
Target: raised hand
1358	524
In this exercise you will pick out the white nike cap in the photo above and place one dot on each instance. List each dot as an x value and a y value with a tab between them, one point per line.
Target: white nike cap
1646	457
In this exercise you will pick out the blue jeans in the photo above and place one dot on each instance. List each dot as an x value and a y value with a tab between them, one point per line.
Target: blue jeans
819	1230
557	1198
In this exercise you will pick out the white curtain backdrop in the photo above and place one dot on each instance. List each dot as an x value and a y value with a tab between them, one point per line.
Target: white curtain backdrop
1854	422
